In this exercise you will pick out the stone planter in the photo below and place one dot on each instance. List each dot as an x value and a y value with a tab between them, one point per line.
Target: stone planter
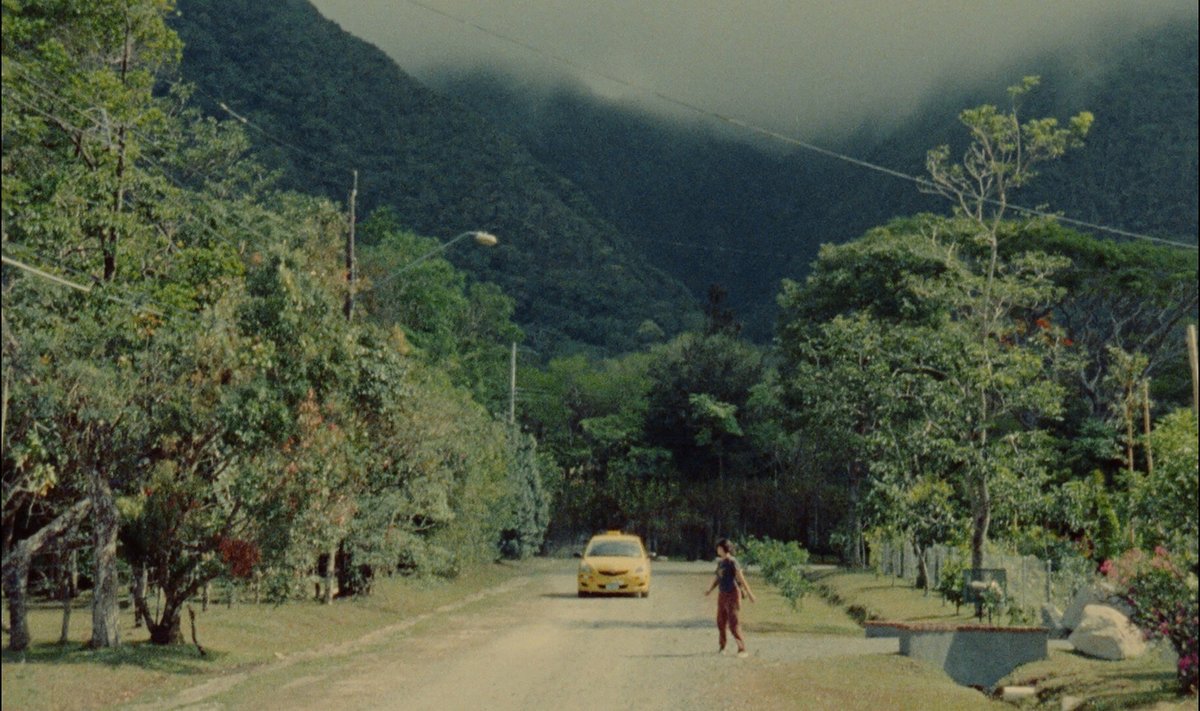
972	655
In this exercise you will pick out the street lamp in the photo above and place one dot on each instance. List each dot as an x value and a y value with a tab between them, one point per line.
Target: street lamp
481	238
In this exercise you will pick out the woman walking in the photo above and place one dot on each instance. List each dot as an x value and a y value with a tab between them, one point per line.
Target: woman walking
732	585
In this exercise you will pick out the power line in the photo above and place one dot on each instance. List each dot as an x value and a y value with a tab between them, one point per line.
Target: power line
273	138
87	289
774	135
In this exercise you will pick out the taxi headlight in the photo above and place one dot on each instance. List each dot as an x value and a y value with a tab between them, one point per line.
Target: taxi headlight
584	568
641	569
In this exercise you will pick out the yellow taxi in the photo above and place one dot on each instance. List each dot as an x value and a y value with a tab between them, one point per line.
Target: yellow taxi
614	563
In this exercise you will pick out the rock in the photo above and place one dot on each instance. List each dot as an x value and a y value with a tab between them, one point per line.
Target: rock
1106	633
1099	594
1070	703
1052	619
1016	693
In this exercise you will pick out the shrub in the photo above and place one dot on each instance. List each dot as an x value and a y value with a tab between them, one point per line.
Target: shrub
949	584
1161	592
782	564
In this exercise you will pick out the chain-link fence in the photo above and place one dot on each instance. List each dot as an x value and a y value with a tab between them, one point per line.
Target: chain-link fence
1030	582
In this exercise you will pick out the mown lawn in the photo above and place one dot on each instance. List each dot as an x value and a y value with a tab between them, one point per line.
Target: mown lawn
50	676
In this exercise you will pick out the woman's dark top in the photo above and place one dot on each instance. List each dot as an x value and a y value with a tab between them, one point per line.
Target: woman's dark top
727	574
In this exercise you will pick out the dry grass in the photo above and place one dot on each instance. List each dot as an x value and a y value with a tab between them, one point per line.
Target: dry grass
70	677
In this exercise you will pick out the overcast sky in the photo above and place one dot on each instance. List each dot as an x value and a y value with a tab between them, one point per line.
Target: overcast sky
804	66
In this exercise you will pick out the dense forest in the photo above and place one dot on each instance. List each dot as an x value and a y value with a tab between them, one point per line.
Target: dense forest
220	365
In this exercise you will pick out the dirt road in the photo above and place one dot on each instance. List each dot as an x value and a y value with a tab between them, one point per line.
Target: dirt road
533	645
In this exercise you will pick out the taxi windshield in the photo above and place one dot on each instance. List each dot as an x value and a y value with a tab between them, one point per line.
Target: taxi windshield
615	549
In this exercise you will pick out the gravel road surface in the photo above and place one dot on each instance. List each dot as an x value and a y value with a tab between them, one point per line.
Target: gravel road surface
532	644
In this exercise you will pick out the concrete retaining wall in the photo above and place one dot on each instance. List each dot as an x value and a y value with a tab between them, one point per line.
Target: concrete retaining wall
972	655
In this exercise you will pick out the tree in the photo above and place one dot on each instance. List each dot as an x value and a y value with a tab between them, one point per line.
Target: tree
1167	499
526	505
1000	158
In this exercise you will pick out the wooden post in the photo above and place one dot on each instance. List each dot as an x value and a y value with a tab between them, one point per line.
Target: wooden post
348	308
512	386
1130	391
1146	426
1191	341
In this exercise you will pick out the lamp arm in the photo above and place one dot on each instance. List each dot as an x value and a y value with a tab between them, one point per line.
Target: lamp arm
423	257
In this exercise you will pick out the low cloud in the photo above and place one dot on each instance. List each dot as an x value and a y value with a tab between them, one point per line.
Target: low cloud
814	67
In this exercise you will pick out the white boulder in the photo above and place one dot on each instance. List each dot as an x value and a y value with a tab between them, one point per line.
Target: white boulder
1106	633
1098	594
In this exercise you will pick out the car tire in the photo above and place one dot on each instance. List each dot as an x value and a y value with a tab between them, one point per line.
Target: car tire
582	594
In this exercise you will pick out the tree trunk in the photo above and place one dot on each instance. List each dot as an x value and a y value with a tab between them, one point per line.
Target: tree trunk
16	577
137	587
982	518
15	570
330	573
922	568
67	591
168	630
105	628
855	544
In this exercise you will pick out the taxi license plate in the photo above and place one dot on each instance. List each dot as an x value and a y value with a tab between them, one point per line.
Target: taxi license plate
612	586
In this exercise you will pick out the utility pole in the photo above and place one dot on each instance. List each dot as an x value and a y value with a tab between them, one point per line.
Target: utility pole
348	309
349	306
512	386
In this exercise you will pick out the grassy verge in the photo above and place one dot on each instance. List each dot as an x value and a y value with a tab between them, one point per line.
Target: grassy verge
1145	682
69	677
871	596
880	681
814	615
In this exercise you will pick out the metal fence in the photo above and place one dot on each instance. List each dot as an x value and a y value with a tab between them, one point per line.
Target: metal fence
1030	582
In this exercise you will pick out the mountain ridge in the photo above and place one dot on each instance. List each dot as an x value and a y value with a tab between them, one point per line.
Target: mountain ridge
339	101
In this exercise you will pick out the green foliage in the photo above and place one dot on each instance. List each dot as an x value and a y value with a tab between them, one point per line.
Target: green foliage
1161	591
1087	508
949	583
1165	500
784	565
460	327
698	384
527	500
205	373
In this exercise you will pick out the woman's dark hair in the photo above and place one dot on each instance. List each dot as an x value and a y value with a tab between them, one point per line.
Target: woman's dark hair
726	544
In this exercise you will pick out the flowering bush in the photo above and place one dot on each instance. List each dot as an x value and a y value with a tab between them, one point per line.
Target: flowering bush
1161	591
